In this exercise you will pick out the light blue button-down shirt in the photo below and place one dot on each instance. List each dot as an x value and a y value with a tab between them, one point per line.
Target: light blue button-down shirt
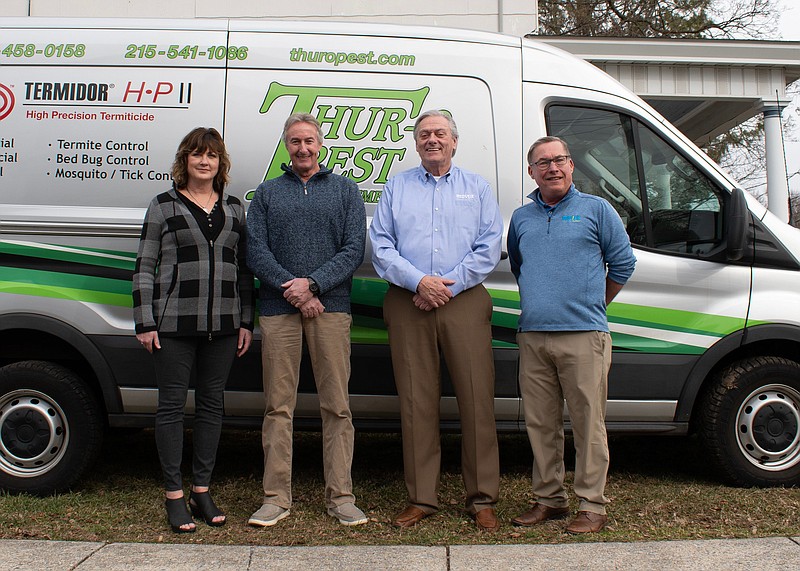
450	228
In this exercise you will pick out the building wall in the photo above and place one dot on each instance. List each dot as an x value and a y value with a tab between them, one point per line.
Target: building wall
514	17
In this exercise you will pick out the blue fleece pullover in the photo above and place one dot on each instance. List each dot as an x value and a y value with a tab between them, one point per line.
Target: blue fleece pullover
317	229
561	256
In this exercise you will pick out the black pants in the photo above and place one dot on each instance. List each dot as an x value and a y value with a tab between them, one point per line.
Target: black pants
174	362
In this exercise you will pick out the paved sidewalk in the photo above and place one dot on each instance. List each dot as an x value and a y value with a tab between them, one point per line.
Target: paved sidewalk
719	554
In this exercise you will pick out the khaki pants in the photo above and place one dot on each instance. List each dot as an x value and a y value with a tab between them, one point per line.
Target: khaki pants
328	340
574	366
461	329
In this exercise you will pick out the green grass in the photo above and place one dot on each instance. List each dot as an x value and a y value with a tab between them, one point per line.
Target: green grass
661	488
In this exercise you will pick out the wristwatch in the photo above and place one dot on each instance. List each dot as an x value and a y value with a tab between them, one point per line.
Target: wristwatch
313	287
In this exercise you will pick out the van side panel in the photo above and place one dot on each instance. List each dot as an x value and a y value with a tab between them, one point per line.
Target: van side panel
91	112
367	92
91	118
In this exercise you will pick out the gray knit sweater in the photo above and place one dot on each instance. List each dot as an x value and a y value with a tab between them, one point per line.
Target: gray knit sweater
316	229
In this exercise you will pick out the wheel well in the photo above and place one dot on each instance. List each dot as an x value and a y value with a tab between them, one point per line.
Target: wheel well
26	344
786	348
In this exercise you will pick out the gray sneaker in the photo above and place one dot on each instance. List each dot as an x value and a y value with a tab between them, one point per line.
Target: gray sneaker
348	514
267	515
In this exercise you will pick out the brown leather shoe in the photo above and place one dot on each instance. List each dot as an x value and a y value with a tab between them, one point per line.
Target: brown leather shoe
409	517
539	513
587	522
487	520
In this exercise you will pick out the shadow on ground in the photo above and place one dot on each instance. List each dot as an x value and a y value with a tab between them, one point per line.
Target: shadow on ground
378	456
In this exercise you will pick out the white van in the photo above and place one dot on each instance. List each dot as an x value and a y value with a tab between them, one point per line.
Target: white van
706	334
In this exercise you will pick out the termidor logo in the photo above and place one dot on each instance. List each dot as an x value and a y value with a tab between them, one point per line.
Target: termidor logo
6	101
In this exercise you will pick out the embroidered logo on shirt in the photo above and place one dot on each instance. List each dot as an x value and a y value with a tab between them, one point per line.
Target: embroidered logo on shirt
465	196
572	218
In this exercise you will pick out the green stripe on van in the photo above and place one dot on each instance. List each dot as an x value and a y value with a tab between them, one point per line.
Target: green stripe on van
366	291
369	291
675	320
637	344
22	278
368	330
58	292
95	257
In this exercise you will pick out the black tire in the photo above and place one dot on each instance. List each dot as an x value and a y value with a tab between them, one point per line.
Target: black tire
50	428
751	422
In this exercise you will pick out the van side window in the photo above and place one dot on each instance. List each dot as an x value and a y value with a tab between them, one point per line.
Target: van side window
602	147
664	201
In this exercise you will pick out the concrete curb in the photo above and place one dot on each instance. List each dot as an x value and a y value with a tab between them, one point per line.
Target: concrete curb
765	554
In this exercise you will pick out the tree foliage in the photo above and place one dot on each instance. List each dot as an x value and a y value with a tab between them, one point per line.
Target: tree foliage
658	18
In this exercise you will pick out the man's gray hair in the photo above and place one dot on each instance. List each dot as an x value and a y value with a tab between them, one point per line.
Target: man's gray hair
436	113
542	141
301	118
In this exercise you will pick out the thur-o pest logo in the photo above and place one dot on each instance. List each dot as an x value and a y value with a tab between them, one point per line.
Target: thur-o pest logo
6	101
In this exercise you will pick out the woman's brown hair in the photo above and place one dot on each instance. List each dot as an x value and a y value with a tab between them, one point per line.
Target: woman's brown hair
201	139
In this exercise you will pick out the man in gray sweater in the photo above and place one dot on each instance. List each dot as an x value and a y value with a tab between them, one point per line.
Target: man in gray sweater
306	233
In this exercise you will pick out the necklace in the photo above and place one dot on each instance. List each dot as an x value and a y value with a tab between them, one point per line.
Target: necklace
197	200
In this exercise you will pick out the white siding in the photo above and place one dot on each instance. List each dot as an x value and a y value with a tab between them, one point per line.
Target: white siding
14	8
111	8
517	18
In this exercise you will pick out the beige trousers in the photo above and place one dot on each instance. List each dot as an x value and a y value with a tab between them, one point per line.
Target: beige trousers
328	340
554	366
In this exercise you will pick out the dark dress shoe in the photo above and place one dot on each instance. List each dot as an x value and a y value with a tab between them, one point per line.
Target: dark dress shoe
409	517
539	513
487	520
587	522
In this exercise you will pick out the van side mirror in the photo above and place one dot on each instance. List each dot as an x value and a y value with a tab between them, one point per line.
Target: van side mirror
736	225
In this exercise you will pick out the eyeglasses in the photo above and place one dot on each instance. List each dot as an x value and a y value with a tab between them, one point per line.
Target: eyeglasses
543	164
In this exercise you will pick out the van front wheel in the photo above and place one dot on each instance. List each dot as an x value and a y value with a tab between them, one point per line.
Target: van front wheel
751	421
50	427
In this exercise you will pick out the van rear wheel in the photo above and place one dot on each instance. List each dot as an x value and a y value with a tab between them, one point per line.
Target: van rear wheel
50	427
751	421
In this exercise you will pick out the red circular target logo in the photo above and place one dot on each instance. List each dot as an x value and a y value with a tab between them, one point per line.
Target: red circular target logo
6	101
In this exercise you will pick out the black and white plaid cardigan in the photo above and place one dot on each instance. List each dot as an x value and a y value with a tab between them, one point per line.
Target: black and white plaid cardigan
185	284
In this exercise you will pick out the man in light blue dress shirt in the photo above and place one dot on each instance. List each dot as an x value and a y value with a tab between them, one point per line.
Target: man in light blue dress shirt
436	235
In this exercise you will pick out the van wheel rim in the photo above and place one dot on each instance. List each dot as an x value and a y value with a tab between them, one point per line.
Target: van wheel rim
768	427
33	433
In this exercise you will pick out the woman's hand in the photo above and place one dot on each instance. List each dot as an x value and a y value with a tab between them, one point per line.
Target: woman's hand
245	338
149	340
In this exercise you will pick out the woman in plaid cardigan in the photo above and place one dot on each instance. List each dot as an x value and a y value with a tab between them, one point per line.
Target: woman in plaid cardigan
193	309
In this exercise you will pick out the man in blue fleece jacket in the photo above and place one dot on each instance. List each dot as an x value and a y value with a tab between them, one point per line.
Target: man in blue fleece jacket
571	256
307	230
